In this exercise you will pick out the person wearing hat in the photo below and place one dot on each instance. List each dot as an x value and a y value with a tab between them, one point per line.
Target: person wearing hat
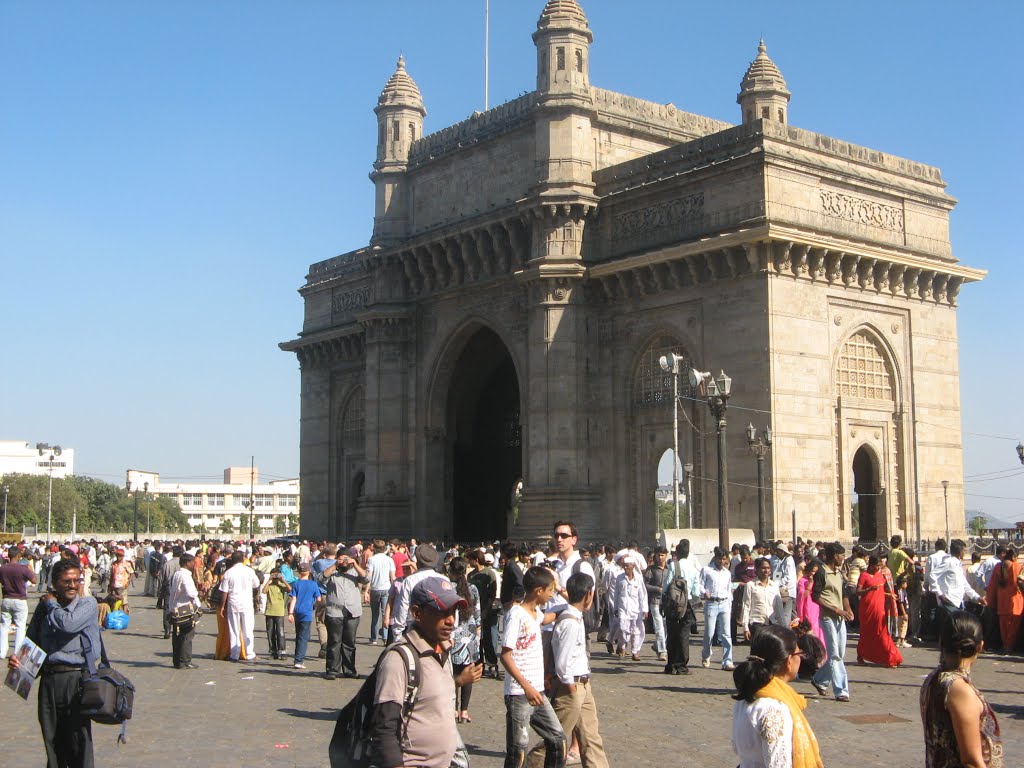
784	577
426	568
430	737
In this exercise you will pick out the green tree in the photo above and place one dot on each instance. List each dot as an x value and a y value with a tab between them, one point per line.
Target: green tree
226	526
243	525
978	525
280	525
293	523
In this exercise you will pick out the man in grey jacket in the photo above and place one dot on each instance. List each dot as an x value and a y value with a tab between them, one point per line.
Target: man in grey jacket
342	581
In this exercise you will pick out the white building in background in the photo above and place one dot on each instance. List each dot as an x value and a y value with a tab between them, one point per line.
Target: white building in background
210	504
21	457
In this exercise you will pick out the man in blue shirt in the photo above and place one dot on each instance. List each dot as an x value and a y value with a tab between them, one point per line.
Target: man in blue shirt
65	626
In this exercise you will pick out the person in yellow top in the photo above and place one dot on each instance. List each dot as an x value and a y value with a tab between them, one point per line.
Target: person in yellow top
769	729
898	560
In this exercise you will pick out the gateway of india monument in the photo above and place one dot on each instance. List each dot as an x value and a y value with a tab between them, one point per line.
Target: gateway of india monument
489	363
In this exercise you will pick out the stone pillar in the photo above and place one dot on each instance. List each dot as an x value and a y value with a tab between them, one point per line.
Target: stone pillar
557	481
390	394
316	518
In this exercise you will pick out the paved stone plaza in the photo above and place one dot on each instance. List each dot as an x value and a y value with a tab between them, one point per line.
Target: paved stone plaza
266	713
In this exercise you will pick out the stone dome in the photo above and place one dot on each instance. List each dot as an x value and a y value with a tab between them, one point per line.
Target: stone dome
562	11
400	90
763	75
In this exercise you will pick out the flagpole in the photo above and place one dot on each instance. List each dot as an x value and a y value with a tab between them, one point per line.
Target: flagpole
487	50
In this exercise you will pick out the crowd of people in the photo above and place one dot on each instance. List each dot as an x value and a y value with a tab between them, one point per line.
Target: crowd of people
526	614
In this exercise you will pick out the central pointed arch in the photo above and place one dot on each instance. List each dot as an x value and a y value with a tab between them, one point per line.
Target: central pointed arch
475	419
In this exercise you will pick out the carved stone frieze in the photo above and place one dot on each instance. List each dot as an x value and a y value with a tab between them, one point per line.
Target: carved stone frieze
861	211
657	217
346	303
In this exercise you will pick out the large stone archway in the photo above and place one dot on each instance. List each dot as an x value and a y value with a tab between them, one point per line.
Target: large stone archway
476	397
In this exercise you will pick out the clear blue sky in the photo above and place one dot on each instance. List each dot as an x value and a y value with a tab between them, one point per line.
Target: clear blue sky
170	169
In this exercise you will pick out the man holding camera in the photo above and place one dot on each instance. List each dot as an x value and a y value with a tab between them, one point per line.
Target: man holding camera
342	582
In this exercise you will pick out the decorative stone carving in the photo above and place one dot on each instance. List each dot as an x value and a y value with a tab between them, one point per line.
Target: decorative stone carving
861	211
657	217
349	302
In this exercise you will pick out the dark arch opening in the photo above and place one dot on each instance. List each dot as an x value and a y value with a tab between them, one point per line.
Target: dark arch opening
867	488
485	438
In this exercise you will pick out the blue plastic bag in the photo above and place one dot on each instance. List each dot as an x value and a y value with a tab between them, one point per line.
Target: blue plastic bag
117	620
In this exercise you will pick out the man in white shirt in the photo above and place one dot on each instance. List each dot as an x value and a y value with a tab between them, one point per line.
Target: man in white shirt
567	563
573	699
716	589
240	587
951	583
426	561
182	593
380	569
762	603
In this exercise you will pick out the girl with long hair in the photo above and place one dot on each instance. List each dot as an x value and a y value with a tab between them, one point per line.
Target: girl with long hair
769	728
465	636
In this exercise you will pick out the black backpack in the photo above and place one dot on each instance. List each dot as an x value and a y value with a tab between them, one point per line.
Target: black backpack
351	745
676	600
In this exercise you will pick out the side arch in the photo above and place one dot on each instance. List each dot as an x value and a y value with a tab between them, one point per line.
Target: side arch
648	392
349	468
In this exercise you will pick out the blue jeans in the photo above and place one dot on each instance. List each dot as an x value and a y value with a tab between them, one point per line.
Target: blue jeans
378	601
301	638
834	670
520	716
13	611
717	621
659	628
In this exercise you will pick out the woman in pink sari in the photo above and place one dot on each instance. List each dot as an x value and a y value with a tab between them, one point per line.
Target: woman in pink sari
806	608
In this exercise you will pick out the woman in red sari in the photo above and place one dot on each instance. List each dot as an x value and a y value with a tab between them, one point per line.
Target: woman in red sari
875	644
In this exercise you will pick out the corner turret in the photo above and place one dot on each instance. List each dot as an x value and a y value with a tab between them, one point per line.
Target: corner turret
400	114
763	94
563	40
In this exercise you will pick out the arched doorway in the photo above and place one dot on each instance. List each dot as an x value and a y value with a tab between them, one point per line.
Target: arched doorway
485	438
867	488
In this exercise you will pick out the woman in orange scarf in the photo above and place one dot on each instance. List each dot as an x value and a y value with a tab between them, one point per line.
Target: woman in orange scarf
1005	597
768	724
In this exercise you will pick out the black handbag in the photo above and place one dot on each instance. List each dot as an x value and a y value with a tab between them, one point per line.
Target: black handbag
184	616
108	696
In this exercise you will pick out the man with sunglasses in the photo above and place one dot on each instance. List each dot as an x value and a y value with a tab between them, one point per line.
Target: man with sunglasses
65	626
567	561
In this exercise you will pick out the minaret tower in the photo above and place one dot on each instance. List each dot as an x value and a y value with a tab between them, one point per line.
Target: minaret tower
563	40
563	126
400	114
763	94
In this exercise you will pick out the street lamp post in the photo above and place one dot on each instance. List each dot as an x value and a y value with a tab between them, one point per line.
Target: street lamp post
718	391
759	446
52	450
688	469
945	502
670	362
6	490
135	514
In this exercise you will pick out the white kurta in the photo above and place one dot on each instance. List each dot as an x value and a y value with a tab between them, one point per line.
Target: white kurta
237	585
630	606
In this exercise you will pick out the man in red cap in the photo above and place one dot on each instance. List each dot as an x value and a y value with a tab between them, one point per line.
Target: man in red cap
431	738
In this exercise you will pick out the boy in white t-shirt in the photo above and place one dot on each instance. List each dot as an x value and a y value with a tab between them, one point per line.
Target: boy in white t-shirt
522	655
